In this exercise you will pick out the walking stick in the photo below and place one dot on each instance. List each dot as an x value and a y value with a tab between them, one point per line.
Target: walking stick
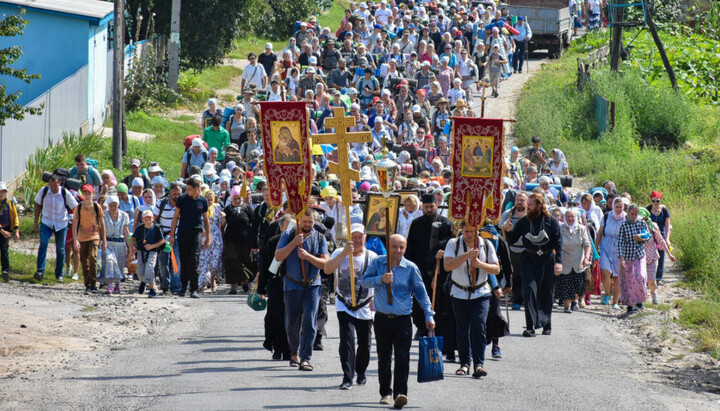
387	241
352	265
434	284
302	262
507	297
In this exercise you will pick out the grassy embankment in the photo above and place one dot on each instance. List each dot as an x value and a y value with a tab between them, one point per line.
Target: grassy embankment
687	174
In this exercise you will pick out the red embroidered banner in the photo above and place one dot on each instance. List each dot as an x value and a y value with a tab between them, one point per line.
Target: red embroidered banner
286	148
477	169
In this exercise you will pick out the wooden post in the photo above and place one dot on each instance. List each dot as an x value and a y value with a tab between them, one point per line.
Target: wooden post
174	52
434	283
661	49
616	43
387	245
612	116
483	98
302	262
118	83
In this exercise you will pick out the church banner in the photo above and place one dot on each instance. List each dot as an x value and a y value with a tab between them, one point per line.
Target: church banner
286	147
477	169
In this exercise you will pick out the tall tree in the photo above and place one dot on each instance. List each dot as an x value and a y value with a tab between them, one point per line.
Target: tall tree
11	26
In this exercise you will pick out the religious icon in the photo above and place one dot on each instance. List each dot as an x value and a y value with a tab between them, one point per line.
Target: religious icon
376	215
477	156
286	145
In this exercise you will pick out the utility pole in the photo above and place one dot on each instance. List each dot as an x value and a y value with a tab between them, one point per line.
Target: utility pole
174	72
616	43
661	48
118	84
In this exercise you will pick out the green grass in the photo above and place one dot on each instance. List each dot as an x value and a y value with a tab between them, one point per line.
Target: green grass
198	87
704	317
23	266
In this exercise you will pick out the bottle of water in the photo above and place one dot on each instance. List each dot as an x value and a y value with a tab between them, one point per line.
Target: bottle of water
168	248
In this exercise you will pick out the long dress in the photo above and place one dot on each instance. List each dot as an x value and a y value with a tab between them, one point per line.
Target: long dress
115	258
211	258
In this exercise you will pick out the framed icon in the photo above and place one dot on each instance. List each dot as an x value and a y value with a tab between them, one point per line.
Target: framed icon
477	156
376	214
286	142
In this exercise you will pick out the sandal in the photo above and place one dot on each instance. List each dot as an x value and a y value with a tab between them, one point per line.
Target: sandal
294	361
463	370
479	372
305	366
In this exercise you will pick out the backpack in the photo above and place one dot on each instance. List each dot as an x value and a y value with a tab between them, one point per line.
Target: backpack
282	270
204	154
64	196
96	207
448	281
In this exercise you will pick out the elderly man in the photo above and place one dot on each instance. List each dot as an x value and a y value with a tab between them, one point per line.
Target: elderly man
303	246
330	57
353	318
339	77
393	326
309	82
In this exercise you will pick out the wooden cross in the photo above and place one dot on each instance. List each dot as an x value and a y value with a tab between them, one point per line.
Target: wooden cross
342	138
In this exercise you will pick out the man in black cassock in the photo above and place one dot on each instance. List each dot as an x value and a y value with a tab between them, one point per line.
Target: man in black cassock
541	262
418	250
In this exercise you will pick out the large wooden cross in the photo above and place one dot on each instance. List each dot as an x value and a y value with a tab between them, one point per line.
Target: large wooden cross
342	138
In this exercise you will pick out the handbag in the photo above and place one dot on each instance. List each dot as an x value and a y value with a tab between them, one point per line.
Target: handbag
430	359
254	300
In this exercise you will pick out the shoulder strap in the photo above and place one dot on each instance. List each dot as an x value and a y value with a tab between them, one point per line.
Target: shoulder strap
96	207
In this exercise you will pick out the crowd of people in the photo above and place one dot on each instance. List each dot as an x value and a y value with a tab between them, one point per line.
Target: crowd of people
215	223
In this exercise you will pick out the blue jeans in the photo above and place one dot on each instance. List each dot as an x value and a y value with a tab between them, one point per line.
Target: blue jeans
470	318
301	307
170	278
45	233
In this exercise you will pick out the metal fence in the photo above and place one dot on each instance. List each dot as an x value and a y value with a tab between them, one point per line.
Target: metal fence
66	109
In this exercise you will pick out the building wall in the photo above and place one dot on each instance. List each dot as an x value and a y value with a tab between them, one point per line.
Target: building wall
53	46
97	71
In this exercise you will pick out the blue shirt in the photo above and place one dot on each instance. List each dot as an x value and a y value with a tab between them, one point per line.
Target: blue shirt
292	262
406	283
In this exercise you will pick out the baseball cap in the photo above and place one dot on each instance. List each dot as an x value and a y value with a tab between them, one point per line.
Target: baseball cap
88	187
268	46
357	228
147	213
135	162
3	186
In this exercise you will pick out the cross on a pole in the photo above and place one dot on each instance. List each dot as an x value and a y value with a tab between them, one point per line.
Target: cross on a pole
342	138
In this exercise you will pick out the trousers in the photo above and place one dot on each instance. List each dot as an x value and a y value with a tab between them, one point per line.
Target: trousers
301	308
519	57
189	244
275	335
393	335
4	253
88	261
515	261
354	361
538	286
470	319
45	233
170	278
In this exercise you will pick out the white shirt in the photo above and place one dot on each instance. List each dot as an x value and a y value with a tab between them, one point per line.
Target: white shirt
460	274
274	96
254	74
403	225
343	272
54	213
456	94
381	15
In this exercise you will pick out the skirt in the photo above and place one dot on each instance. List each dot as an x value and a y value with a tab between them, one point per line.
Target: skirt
633	282
238	262
569	285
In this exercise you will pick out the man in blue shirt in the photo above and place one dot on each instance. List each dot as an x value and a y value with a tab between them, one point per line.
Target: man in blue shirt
393	326
302	295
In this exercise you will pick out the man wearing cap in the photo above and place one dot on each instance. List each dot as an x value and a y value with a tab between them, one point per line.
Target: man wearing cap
369	86
195	156
424	75
135	173
217	137
355	319
9	226
340	77
521	39
88	233
393	327
330	57
419	247
382	13
253	73
302	34
405	43
52	202
268	58
309	82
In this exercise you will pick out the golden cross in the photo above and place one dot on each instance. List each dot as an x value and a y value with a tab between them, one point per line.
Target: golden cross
342	138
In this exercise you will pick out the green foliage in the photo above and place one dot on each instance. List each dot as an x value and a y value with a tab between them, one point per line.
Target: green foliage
145	85
704	317
10	26
198	87
59	153
707	19
277	17
23	267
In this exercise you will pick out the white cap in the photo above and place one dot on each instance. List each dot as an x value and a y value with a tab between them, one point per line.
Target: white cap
147	213
3	186
197	142
310	70
357	228
268	46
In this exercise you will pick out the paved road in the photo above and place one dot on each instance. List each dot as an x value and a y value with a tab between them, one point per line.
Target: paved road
218	362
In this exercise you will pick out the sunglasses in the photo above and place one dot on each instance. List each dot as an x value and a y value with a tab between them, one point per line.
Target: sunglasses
656	201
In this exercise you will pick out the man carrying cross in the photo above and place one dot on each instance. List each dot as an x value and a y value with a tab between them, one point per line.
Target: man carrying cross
353	317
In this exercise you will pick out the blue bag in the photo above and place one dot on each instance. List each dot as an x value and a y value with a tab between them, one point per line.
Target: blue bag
430	359
375	244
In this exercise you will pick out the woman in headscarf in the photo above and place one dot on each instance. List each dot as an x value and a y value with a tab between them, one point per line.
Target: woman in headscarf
446	75
577	254
117	232
159	184
558	164
653	246
514	165
633	275
148	203
109	183
607	239
211	258
410	211
240	242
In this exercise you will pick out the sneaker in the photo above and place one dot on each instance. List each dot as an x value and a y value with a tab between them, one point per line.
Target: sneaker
640	306
567	311
345	385
109	289
116	289
516	307
587	301
93	289
87	290
38	276
400	401
361	380
615	307
574	306
386	400
60	279
75	277
141	289
194	295
152	293
496	353
5	277
66	272
605	300
232	292
654	298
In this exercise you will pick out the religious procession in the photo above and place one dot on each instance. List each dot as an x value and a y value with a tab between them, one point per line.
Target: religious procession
359	169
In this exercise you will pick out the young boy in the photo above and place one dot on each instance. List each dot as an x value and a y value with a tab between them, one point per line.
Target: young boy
537	154
9	224
456	93
495	65
149	239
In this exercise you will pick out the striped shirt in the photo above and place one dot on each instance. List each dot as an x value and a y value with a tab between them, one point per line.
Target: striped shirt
165	216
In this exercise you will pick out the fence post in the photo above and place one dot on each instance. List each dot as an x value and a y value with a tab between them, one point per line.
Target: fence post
612	116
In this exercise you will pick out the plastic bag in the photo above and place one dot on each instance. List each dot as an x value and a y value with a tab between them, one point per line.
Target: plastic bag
430	359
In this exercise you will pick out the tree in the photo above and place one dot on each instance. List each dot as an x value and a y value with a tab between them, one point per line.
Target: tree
11	26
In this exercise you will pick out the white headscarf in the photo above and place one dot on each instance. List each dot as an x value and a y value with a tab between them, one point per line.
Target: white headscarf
576	224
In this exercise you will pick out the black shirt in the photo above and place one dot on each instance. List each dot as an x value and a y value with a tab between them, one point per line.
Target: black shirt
147	236
267	61
239	226
129	179
191	213
552	229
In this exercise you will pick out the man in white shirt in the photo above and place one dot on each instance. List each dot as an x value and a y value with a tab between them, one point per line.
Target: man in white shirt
356	319
253	73
382	14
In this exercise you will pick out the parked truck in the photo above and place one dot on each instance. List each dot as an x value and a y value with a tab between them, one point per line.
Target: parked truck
549	20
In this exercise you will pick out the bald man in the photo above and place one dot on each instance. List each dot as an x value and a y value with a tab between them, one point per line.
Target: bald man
393	326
